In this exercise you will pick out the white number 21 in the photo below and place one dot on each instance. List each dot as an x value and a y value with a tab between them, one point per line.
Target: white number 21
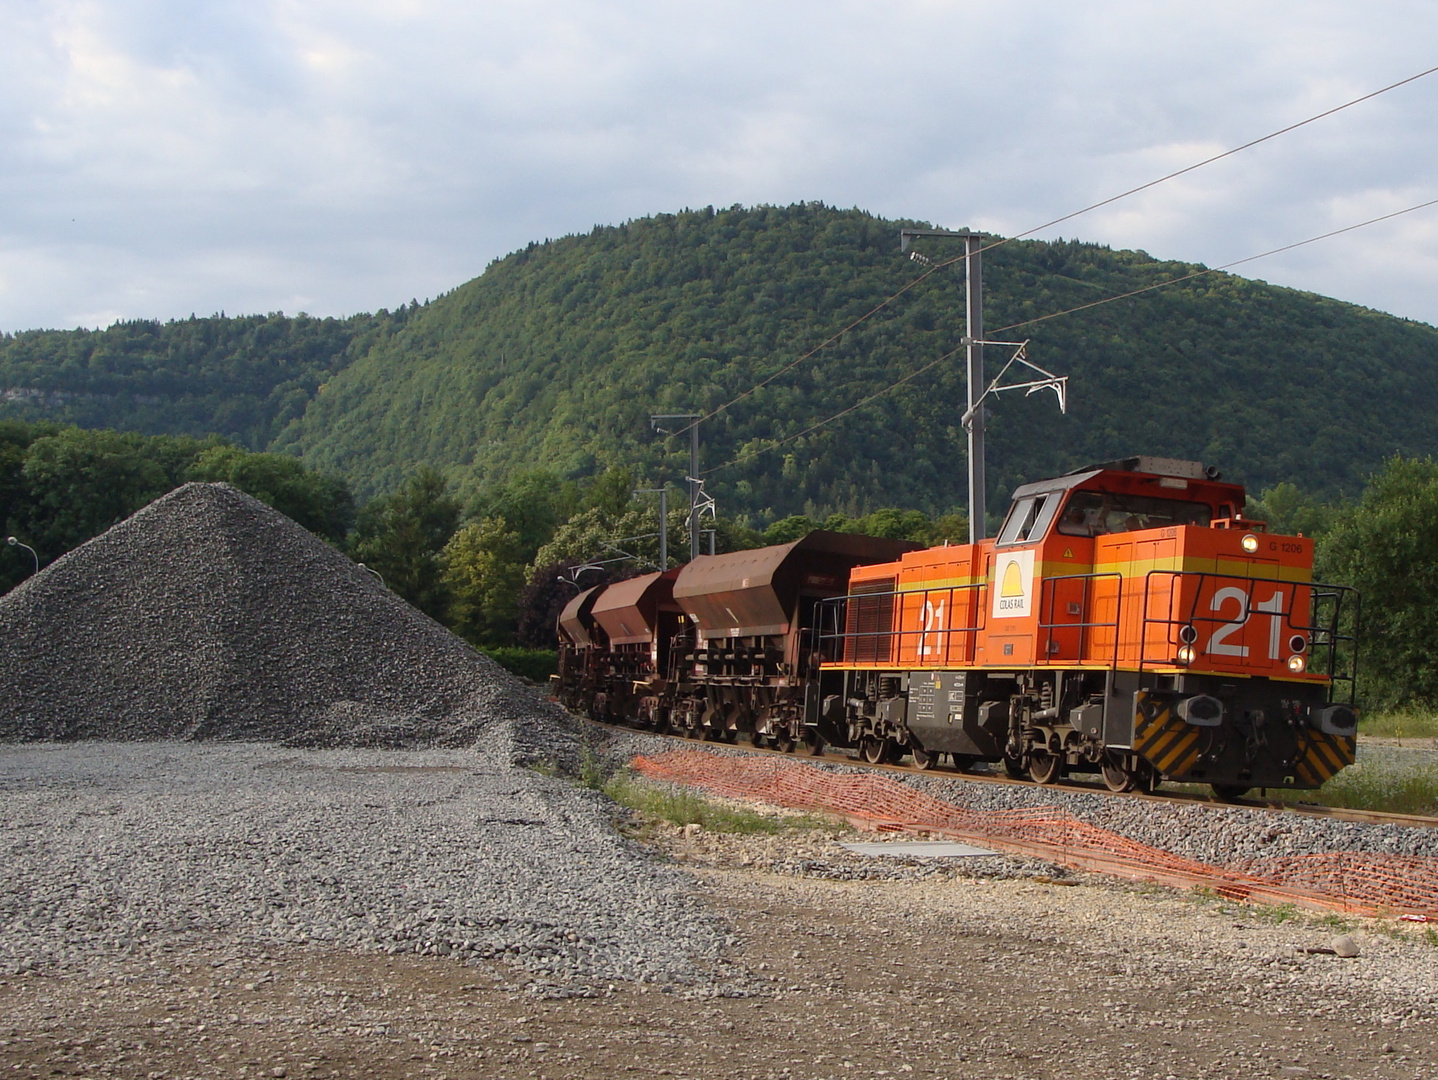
1219	645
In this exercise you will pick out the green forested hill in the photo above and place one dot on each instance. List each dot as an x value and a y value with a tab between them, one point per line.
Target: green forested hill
244	378
556	355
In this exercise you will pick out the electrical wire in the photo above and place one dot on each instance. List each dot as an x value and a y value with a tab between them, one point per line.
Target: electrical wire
936	267
743	457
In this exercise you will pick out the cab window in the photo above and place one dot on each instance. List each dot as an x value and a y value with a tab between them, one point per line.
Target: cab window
1099	513
1029	518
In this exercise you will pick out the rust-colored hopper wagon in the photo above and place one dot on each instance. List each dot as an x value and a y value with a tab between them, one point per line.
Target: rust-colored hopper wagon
745	660
639	619
582	643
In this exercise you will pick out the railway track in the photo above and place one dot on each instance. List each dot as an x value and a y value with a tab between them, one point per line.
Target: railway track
852	760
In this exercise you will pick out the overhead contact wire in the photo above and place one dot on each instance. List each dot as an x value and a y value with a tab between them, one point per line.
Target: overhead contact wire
1068	311
1039	228
1197	165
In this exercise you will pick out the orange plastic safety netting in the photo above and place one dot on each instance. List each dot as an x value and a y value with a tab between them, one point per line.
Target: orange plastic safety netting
1356	882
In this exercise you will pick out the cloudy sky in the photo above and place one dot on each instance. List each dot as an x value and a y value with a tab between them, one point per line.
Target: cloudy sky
160	157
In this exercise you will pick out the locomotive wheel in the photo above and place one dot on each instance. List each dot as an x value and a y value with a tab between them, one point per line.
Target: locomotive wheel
872	749
923	759
963	762
1015	768
1044	767
1229	792
1116	777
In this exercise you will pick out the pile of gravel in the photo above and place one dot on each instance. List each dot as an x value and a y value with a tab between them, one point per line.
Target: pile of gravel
208	615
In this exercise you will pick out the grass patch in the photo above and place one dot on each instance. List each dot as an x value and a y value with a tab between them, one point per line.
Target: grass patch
1383	782
683	807
1400	724
1375	787
1277	914
1380	786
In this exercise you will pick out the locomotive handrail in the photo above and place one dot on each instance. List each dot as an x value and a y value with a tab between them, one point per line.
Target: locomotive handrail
838	640
1326	634
1086	605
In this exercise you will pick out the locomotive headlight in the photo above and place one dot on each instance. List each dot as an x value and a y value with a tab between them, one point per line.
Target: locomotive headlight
1297	664
1250	543
1186	654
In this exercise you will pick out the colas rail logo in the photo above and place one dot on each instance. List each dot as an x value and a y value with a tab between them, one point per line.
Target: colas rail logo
1013	584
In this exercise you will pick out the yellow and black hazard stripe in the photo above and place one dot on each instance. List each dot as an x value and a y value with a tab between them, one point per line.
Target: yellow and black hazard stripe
1162	738
1320	756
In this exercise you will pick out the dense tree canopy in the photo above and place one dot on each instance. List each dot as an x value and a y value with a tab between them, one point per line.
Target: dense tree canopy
1386	546
61	486
244	378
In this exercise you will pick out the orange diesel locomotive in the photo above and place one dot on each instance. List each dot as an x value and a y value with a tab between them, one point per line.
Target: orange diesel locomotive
1127	620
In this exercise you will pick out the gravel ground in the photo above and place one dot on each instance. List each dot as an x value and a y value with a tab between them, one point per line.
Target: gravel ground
1211	833
885	976
207	615
113	849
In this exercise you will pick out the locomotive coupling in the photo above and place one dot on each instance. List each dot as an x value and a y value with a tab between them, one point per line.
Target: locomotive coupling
1201	710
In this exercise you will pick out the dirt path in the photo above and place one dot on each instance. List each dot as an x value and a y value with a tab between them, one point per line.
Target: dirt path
945	976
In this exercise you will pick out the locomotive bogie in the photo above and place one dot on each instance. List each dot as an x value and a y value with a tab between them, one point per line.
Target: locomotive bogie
1132	730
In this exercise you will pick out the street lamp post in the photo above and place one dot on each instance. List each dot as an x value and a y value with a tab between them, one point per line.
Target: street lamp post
13	542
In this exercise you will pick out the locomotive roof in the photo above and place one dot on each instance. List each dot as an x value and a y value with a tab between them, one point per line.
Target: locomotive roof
1142	466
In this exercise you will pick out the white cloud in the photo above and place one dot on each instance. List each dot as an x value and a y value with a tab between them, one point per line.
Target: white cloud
158	158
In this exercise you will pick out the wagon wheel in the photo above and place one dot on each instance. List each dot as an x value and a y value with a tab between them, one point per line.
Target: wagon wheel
783	740
964	762
1045	767
813	742
923	759
872	749
756	738
1115	776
